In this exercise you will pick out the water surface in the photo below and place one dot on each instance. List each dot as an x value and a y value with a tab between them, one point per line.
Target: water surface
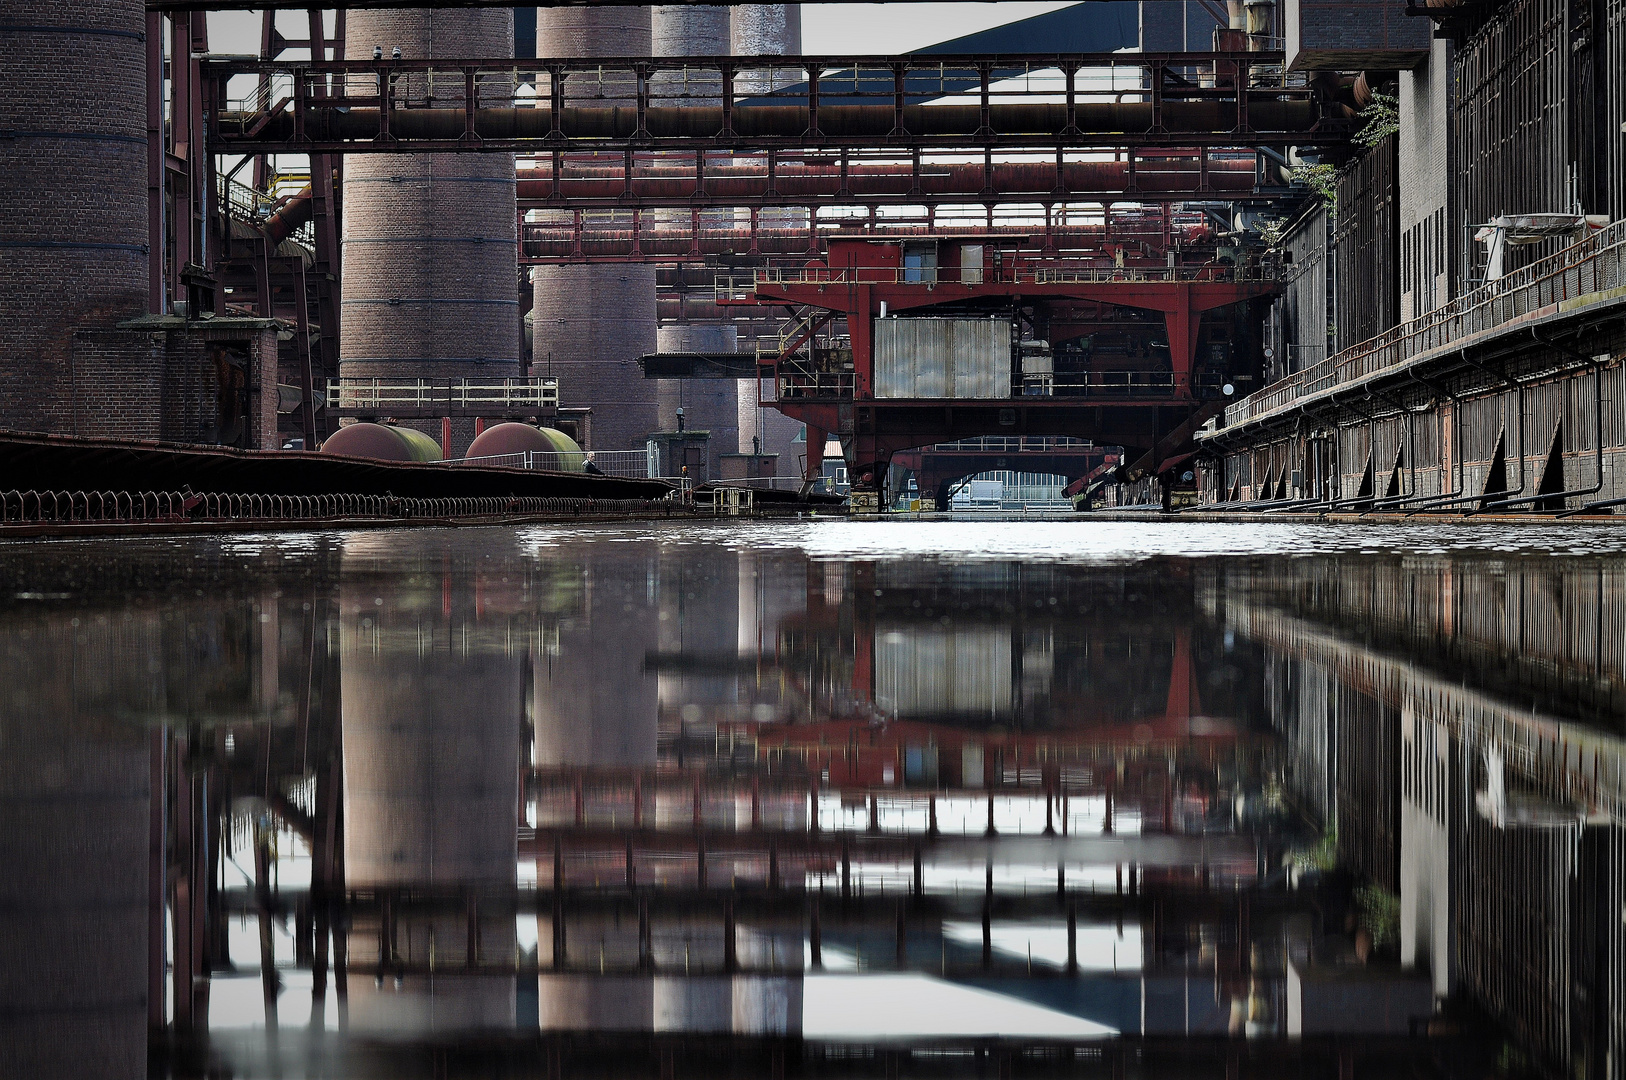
818	798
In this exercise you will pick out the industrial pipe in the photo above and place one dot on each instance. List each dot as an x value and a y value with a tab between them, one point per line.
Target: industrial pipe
861	182
288	217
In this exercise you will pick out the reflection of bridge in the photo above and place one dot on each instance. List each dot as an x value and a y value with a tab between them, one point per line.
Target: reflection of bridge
936	468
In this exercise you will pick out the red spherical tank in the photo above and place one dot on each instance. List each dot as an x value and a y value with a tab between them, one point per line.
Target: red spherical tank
382	443
550	448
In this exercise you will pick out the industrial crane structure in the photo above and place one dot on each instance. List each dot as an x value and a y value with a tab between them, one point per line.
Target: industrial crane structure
949	337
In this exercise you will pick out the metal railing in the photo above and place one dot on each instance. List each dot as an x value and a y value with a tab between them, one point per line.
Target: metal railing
763	483
386	394
1594	264
797	381
737	288
1016	444
631	464
826	81
177	507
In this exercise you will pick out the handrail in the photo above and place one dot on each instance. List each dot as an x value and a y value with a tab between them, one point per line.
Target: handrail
744	286
371	393
1593	264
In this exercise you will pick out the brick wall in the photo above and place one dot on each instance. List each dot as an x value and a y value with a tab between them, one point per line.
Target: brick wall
170	385
1351	35
73	196
431	277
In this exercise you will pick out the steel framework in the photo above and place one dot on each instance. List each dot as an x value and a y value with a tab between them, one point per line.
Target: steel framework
831	102
805	178
861	280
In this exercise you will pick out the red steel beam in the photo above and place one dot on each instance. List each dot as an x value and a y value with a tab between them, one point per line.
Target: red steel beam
1170	176
680	243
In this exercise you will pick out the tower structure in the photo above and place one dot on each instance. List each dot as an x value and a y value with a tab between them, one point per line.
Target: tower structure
589	324
73	256
431	240
711	404
766	30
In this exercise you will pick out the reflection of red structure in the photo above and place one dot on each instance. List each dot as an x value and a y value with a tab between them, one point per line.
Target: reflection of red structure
861	278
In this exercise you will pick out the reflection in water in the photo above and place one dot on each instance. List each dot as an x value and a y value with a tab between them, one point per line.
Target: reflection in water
685	801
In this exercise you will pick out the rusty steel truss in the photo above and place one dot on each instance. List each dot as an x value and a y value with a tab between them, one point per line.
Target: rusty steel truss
1141	405
760	103
840	177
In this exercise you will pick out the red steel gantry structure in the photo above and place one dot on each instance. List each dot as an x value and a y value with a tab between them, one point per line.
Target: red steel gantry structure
1144	399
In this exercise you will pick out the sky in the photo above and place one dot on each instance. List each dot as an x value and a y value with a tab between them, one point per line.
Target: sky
889	29
876	29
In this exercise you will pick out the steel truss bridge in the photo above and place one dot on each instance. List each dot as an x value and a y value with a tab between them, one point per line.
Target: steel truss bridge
760	103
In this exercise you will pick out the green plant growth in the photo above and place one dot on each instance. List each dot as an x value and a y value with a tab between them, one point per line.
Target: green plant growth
1382	119
1321	179
1379	914
1271	231
1322	856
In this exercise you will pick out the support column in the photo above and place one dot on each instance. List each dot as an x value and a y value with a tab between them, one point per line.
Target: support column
1182	321
815	454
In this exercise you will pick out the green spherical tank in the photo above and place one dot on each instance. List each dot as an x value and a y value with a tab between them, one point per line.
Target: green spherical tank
422	446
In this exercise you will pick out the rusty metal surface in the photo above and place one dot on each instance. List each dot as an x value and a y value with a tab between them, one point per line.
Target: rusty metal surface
1555	286
827	101
55	463
942	358
811	177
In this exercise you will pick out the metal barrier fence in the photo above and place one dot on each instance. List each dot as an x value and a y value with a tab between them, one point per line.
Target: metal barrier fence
1592	265
1016	444
168	507
631	464
739	287
762	483
385	394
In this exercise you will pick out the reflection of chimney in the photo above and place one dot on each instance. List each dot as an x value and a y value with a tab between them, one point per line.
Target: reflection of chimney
75	796
431	706
431	709
594	703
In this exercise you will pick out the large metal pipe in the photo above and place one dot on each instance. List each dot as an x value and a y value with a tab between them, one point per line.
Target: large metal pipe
563	244
1182	174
